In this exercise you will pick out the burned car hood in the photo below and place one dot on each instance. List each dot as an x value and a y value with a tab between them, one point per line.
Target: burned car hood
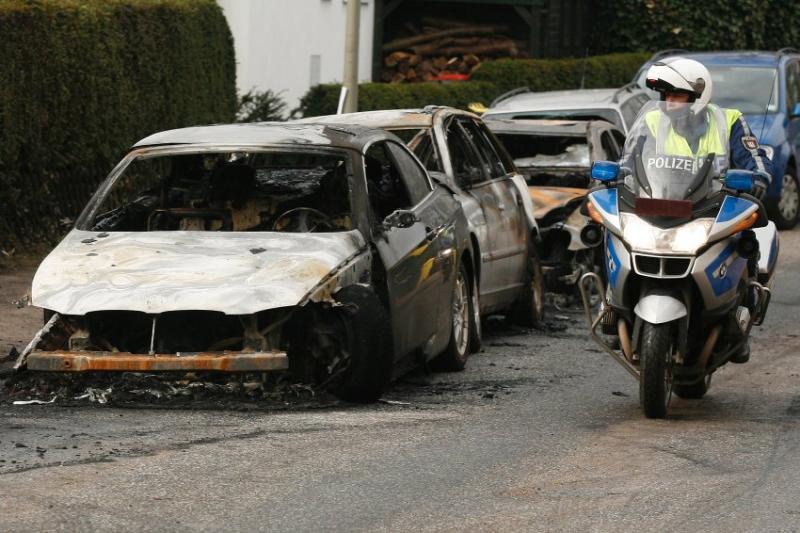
156	272
545	199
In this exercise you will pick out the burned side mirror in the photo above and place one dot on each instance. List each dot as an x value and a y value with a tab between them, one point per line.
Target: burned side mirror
401	218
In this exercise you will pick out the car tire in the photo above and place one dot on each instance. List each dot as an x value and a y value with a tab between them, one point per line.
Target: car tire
476	327
785	210
454	357
360	328
529	308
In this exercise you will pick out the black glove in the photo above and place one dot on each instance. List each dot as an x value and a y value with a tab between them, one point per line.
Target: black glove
760	183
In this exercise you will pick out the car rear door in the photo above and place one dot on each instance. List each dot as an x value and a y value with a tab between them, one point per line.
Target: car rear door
792	99
419	260
503	205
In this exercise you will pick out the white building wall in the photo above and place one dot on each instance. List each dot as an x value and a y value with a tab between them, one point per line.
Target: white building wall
290	45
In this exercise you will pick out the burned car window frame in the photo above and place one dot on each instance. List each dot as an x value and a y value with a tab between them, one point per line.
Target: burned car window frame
453	129
494	165
422	188
91	211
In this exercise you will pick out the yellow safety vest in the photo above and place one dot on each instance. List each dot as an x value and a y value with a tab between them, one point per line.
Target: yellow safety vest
715	140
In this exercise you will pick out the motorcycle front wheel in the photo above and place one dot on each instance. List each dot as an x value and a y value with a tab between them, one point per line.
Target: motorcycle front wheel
655	383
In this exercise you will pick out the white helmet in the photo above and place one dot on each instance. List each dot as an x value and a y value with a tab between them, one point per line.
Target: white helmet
682	75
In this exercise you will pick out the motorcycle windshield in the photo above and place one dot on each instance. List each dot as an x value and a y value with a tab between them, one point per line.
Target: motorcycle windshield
672	154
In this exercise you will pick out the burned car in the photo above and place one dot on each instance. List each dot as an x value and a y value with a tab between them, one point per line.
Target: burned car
462	154
556	157
325	250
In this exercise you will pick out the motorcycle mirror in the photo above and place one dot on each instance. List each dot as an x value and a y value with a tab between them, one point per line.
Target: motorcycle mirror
605	171
739	180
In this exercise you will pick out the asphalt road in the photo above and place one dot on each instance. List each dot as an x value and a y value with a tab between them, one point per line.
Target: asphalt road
542	432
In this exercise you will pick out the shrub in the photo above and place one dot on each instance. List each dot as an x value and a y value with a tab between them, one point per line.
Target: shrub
261	107
716	25
323	99
489	81
82	80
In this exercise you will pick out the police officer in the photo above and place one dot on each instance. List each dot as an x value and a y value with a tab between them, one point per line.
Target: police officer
690	126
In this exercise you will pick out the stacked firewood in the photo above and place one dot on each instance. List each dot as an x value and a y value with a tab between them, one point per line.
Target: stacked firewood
445	47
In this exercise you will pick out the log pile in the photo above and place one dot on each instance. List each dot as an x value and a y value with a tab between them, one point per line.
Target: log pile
445	47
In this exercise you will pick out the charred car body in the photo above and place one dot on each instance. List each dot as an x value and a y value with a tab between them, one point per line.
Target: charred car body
322	249
459	151
556	156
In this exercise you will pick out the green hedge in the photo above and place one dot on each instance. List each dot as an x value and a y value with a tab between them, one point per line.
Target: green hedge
613	70
625	25
82	80
323	99
489	81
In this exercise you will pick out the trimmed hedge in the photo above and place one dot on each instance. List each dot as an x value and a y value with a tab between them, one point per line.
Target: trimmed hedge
489	81
613	70
625	25
82	80
323	99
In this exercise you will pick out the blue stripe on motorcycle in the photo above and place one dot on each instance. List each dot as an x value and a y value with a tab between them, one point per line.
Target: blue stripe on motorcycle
732	207
606	199
733	273
612	262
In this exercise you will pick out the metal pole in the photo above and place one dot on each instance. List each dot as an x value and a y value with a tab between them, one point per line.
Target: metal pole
351	55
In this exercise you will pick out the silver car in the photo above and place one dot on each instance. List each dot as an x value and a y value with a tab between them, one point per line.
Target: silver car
460	152
617	106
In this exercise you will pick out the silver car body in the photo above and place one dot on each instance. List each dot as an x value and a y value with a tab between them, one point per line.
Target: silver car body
618	106
499	212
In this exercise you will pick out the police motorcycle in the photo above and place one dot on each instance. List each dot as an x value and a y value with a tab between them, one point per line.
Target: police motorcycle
689	257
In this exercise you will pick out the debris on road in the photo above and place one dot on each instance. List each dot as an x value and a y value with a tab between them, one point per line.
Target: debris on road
35	402
171	389
22	302
95	395
393	402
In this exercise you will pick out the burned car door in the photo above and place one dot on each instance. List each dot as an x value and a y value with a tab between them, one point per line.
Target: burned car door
502	205
418	253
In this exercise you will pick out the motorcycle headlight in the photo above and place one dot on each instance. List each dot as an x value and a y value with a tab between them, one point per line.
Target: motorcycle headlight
687	238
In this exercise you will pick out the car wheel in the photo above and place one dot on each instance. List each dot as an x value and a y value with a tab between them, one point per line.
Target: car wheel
476	329
785	210
529	309
346	350
454	358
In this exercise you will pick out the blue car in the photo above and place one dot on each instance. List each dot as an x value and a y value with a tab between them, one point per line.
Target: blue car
765	87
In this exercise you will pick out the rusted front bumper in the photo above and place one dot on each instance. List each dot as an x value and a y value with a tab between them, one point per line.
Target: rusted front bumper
63	361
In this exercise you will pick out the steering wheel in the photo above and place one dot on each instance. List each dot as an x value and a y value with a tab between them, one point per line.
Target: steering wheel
304	220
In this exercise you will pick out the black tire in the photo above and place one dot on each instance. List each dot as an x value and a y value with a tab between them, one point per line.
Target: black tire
529	309
370	340
785	210
360	331
654	382
476	327
454	357
695	391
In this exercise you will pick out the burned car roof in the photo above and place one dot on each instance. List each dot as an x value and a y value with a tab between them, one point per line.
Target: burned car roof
268	134
398	118
543	126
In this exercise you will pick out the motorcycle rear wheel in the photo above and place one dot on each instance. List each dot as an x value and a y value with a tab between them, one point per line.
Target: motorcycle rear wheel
655	383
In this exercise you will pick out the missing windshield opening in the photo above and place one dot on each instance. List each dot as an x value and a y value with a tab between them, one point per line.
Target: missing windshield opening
228	191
